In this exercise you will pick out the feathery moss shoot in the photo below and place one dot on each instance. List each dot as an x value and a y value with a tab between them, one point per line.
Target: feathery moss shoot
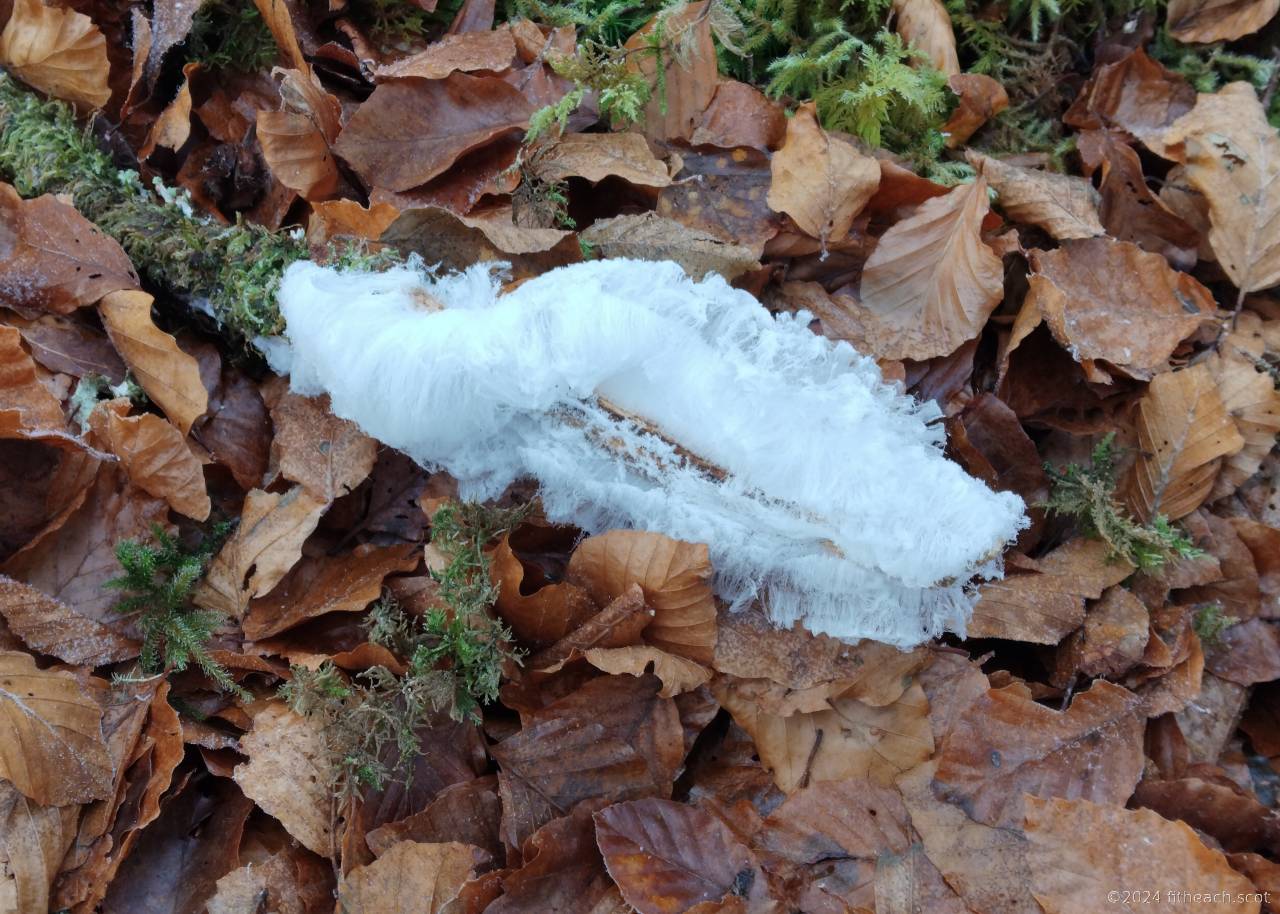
157	583
1210	621
1088	494
453	657
235	269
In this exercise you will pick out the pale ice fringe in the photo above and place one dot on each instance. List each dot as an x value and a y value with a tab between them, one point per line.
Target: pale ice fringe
839	511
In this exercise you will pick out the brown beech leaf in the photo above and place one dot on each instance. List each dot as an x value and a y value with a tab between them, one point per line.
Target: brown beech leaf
1079	851
410	878
33	841
158	461
1250	398
820	180
70	346
740	115
847	739
169	376
1207	21
1005	745
678	674
20	387
266	544
667	856
54	628
469	812
53	259
550	613
410	130
296	141
290	881
287	774
1062	205
617	625
931	282
1112	639
494	51
648	236
925	25
1236	819
1045	605
1246	653
562	870
1232	155
1184	431
328	455
614	738
689	77
1112	301
981	99
314	587
675	577
1137	95
58	51
455	241
343	217
596	156
54	752
987	866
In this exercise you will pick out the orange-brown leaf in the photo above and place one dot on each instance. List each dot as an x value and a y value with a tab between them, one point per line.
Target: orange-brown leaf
58	51
410	878
1062	205
52	627
312	446
158	461
1207	21
926	26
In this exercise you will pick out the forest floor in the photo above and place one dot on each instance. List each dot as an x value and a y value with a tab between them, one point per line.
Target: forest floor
253	660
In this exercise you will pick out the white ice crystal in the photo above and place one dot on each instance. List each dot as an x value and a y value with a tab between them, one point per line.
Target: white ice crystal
821	491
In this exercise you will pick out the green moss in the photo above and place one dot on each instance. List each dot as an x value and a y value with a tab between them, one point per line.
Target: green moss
231	36
1210	621
1088	494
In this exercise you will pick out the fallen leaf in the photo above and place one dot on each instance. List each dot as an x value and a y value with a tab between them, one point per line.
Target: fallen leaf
236	430
1206	21
290	881
457	242
343	217
931	282
58	51
820	180
987	866
33	841
52	627
668	856
1112	639
925	25
469	812
158	461
1111	301
724	194
1237	820
1079	851
72	347
1184	431
648	236
688	81
848	739
981	99
678	674
1045	605
740	115
1062	205
596	156
494	51
1006	746
1232	156
410	878
675	577
617	625
20	387
54	259
54	753
344	583
543	614
1137	95
1246	653
297	140
614	738
1251	400
410	130
328	455
169	376
266	544
287	774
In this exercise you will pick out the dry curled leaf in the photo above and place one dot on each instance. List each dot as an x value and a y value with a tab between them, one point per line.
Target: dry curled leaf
678	674
1005	745
926	26
1080	851
675	577
820	179
52	627
668	857
931	282
596	156
1251	399
1232	156
410	878
312	446
981	99
1062	205
1206	21
169	376
494	51
1184	431
53	751
689	75
158	461
58	51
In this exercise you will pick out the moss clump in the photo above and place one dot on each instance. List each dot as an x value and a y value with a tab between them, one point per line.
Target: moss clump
1210	621
1088	494
231	37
